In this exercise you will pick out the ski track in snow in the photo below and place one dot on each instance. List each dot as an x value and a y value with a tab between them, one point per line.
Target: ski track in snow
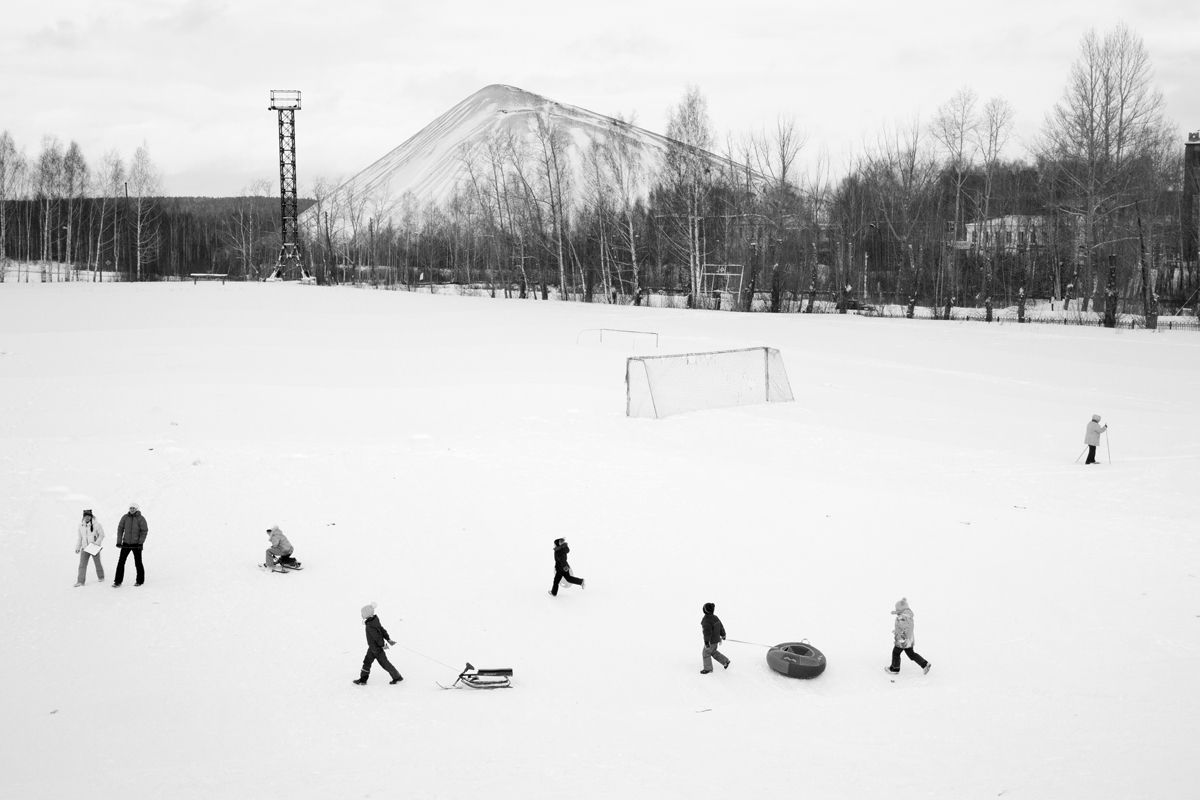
423	452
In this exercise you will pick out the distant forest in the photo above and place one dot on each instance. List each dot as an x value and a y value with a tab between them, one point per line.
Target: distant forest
1099	211
178	235
1100	208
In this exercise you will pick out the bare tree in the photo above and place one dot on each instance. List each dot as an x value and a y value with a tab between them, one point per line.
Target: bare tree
992	136
1104	137
615	183
555	176
623	159
48	176
773	157
687	176
244	227
318	228
12	168
956	128
74	186
901	175
107	186
145	185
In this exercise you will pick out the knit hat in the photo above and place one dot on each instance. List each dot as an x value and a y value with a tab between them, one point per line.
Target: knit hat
134	507
368	611
87	512
709	608
1095	417
901	605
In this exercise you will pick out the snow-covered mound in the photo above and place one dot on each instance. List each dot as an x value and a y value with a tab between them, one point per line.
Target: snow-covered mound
431	164
424	452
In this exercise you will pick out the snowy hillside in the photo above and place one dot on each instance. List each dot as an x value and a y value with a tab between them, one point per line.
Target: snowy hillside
424	451
431	166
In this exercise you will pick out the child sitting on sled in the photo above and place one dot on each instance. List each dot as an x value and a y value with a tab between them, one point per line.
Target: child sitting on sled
279	554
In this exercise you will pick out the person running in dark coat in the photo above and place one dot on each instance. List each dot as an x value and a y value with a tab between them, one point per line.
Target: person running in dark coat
562	570
714	634
377	642
131	535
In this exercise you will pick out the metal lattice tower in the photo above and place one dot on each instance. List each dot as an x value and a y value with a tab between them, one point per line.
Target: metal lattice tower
287	103
1191	193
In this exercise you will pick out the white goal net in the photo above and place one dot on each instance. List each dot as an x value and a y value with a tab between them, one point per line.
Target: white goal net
658	386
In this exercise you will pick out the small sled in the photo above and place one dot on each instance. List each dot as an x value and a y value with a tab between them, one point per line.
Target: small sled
483	678
287	566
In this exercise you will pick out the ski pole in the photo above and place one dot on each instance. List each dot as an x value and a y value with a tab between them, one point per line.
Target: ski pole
1081	452
1108	445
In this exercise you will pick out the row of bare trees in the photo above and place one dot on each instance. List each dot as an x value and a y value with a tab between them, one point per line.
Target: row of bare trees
55	208
58	212
938	212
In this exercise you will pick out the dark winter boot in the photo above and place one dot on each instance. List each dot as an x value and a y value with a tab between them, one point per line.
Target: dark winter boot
361	682
396	680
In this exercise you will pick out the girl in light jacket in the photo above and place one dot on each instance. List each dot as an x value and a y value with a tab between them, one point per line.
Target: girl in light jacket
903	639
90	532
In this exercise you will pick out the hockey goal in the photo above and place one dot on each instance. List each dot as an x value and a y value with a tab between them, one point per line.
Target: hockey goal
658	386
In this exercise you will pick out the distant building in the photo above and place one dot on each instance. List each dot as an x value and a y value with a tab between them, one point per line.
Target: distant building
1012	233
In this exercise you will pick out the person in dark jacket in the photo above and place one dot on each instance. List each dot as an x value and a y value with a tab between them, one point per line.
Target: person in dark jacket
131	535
377	642
562	570
714	634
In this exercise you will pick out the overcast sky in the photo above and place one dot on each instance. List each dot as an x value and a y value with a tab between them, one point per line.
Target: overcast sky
192	78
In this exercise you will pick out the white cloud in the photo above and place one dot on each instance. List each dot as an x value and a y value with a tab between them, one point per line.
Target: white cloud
193	77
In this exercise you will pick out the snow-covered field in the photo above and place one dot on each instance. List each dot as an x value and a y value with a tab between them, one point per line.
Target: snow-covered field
424	451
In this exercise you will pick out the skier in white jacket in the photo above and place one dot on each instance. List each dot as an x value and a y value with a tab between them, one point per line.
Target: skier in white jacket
1092	438
90	533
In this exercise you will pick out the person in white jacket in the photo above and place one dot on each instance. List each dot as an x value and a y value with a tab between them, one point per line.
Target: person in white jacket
280	551
903	639
90	533
1092	438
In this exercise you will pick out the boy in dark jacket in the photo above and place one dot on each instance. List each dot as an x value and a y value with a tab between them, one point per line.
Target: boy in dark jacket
562	570
377	642
131	535
714	634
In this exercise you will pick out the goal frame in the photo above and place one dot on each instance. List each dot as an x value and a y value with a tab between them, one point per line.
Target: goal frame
775	385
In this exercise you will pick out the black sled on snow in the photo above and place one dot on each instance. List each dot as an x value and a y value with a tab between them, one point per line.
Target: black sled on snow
285	564
483	678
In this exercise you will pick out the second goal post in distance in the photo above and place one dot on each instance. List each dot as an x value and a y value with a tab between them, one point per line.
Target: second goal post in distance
658	386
